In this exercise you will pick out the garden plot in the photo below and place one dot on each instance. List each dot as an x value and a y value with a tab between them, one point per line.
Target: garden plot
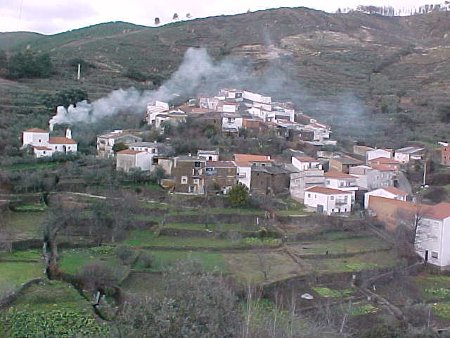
338	246
51	309
264	266
19	267
24	225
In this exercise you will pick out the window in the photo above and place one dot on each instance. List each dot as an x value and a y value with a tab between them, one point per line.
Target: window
184	179
197	164
434	254
309	195
332	198
196	181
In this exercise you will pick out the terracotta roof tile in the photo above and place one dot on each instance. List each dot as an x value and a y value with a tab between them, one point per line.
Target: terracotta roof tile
328	191
395	191
246	158
36	130
439	211
130	152
61	140
338	174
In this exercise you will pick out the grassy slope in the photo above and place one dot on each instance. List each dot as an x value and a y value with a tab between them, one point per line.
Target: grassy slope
329	54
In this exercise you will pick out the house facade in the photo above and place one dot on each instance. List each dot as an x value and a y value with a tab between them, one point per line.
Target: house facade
377	153
445	153
45	146
344	163
432	240
189	175
328	201
368	178
220	175
130	159
106	142
341	181
388	192
270	180
244	163
404	155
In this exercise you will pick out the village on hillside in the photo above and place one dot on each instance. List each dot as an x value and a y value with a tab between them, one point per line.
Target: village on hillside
369	182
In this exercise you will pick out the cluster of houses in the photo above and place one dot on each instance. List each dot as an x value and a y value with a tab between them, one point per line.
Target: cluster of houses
232	110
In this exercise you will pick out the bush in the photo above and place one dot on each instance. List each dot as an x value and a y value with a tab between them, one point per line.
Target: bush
238	195
146	260
29	65
124	253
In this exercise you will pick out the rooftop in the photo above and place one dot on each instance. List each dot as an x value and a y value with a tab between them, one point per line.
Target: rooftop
384	160
35	130
327	191
61	140
439	211
395	191
409	150
220	164
306	159
129	152
347	160
338	175
247	158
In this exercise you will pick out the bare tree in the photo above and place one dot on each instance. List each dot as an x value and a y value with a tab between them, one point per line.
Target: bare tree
157	21
175	16
194	304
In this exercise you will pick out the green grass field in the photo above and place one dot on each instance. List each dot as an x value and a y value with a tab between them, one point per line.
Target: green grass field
19	267
24	225
339	246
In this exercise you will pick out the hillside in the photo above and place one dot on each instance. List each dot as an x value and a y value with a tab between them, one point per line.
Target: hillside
386	77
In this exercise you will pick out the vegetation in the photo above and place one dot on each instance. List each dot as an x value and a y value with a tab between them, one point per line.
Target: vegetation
29	65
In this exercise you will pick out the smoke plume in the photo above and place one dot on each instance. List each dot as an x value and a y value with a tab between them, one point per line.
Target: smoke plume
197	73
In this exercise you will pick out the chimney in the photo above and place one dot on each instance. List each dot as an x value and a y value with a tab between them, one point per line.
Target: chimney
68	133
50	126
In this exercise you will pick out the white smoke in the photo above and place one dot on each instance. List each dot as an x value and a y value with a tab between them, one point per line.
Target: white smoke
198	71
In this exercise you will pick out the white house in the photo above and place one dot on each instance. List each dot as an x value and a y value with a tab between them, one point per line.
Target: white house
231	123
432	241
35	137
106	142
369	178
328	201
209	155
388	192
404	155
45	146
321	131
341	181
376	153
154	109
42	151
134	159
244	163
305	163
302	180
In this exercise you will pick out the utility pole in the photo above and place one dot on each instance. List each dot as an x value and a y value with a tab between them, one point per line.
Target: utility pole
79	72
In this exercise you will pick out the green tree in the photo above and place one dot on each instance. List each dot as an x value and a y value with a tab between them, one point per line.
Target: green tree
119	147
238	195
29	65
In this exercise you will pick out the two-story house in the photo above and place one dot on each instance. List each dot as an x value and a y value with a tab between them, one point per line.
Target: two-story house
432	240
328	201
189	175
244	164
106	142
220	175
387	192
130	159
341	181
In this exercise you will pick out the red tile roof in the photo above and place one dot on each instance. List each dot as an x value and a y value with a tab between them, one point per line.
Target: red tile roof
130	152
306	159
338	174
439	211
384	160
395	191
35	130
328	191
247	158
220	164
384	167
61	140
